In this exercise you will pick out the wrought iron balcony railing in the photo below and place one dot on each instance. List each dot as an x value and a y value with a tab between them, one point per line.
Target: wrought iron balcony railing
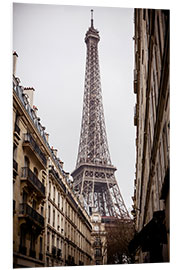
70	261
56	176
98	254
54	250
17	129
29	139
59	252
28	211
28	175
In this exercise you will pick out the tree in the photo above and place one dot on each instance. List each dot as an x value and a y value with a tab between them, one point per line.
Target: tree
119	233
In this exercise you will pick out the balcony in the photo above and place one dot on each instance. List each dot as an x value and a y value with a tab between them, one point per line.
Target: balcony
31	145
97	243
98	255
135	87
53	250
17	129
56	176
31	215
59	254
17	132
70	261
33	182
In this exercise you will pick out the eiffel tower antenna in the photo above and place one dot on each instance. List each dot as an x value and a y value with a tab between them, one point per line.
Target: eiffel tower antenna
94	178
92	18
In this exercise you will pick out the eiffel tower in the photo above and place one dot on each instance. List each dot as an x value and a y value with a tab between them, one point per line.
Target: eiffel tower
94	175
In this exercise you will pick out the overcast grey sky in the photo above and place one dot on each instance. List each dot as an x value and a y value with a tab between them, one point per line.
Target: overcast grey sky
49	40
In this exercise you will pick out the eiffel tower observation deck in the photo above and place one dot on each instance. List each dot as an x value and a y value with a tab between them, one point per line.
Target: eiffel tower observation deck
94	175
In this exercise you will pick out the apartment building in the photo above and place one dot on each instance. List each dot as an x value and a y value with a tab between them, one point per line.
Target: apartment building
50	226
152	121
29	180
98	240
68	225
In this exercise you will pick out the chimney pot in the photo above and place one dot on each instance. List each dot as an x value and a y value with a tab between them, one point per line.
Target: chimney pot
47	137
15	56
55	152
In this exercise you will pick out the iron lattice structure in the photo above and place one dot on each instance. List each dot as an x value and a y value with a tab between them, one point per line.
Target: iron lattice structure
94	177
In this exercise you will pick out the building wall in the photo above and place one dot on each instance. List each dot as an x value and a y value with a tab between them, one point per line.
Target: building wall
151	86
98	240
29	182
58	229
68	225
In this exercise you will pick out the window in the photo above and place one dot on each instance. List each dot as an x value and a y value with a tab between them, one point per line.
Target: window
24	198
34	204
48	239
65	228
43	177
49	213
98	252
52	239
144	14
32	243
35	171
53	218
49	188
26	162
40	245
62	204
22	237
54	194
58	200
165	144
42	210
57	242
58	227
142	57
47	261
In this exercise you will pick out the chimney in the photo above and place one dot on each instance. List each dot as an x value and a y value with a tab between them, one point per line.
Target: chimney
55	152
15	56
61	163
47	137
30	92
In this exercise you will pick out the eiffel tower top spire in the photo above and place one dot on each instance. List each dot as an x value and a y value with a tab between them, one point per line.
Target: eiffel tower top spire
92	18
92	33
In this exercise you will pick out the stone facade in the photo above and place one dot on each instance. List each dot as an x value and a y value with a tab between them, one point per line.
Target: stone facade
98	240
151	86
50	226
68	231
